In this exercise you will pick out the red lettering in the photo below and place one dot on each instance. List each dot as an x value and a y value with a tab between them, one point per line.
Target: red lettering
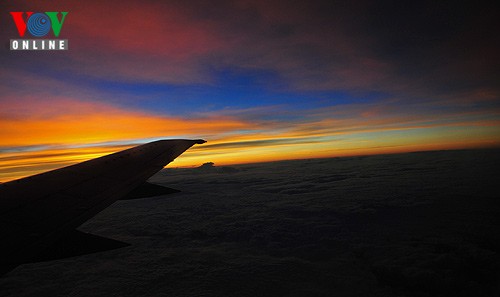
20	22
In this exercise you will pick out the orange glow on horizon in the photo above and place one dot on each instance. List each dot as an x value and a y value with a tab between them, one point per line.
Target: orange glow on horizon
42	138
83	123
18	165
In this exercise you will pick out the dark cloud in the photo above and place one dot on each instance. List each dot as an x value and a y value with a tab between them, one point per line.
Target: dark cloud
412	50
445	47
417	49
419	224
266	142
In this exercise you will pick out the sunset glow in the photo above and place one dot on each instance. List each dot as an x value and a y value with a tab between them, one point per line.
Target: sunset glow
260	81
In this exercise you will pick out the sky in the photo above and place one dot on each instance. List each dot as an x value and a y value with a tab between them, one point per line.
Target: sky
259	80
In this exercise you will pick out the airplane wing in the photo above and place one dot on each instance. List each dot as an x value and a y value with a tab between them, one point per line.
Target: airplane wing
37	211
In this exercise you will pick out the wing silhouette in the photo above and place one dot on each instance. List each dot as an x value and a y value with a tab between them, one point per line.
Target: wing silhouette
37	211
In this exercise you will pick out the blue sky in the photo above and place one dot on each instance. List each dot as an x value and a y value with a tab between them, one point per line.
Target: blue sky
308	79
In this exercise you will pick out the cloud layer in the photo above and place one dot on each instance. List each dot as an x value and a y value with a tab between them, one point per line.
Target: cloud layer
420	224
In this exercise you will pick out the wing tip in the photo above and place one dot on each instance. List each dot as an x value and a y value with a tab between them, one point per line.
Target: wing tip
199	141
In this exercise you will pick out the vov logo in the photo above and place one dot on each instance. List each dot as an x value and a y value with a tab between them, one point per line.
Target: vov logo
39	25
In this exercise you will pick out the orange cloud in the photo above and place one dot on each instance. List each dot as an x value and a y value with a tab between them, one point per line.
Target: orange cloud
69	121
38	136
